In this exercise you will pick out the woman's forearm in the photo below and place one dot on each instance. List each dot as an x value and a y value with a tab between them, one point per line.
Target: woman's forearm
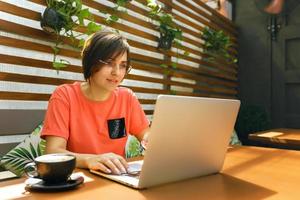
81	159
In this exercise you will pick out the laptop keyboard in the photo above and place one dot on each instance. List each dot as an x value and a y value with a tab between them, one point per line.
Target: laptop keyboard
134	169
135	174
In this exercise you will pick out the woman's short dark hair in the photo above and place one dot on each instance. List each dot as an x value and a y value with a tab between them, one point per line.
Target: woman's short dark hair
102	45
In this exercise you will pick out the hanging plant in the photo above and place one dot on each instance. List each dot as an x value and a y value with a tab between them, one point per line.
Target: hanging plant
169	33
62	17
216	44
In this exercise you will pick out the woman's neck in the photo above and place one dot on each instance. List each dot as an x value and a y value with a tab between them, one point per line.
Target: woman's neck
93	93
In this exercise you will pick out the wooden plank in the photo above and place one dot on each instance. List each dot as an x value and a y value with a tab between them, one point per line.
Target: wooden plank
8	59
218	62
21	12
203	79
147	101
147	90
156	61
5	76
176	73
149	112
6	95
177	83
29	32
22	44
200	71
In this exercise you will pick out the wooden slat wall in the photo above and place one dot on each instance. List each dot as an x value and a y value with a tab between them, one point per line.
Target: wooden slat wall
27	47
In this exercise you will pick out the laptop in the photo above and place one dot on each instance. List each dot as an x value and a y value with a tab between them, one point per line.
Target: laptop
188	138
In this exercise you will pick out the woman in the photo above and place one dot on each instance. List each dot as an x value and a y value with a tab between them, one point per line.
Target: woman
92	119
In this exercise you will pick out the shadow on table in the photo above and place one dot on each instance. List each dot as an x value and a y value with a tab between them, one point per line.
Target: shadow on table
218	186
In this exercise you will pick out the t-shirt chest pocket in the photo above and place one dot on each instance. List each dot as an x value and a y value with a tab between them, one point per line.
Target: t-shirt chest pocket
116	128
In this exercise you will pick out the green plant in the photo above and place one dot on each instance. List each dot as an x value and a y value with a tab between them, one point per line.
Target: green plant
251	118
24	153
216	43
169	33
62	17
133	147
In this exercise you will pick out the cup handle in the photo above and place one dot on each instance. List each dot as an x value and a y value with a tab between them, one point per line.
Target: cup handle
31	170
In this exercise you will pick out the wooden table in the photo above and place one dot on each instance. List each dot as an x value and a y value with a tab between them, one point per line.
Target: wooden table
249	173
279	138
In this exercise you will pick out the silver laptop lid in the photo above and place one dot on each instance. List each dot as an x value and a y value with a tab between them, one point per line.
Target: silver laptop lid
188	138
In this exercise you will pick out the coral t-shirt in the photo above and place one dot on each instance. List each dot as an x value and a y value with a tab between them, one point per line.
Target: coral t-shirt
94	127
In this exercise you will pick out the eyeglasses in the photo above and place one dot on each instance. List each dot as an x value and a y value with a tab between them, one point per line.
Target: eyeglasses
113	65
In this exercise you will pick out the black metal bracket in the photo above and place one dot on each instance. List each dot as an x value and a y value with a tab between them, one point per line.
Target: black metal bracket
273	27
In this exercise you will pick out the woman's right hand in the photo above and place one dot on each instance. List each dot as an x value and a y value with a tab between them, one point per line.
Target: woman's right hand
107	163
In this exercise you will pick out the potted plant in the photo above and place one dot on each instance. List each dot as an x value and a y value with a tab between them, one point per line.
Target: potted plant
168	31
63	14
217	43
52	21
62	17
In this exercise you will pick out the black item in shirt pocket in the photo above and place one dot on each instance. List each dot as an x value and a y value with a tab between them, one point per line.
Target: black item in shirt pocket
116	128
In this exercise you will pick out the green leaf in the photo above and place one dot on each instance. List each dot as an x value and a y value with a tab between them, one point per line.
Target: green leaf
22	153
216	43
28	154
92	28
134	148
177	43
55	49
164	65
33	151
84	14
37	130
174	65
186	53
39	150
113	18
167	72
81	43
58	65
18	164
